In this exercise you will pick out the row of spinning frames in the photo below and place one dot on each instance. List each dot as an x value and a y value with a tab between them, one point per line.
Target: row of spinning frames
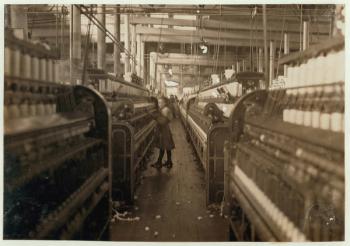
65	144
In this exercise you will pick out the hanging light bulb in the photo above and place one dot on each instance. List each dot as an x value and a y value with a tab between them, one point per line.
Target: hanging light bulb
204	48
161	48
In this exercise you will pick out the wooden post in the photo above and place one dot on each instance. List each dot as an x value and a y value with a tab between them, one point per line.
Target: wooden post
261	61
75	43
142	61
133	48
117	50
306	35
272	61
127	44
286	51
265	45
138	52
101	38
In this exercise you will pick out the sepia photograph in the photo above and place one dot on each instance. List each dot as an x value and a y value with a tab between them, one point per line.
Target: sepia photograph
138	122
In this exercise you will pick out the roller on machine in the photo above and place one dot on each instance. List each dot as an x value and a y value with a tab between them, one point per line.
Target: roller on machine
205	116
132	131
284	159
56	151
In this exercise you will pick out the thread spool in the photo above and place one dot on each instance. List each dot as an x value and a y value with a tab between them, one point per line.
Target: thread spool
331	67
99	86
7	61
289	77
322	70
16	63
293	78
339	72
24	108
315	122
109	85
26	66
310	74
40	109
47	107
6	109
35	68
50	72
337	120
299	117
43	69
32	108
325	121
56	72
307	119
13	111
303	75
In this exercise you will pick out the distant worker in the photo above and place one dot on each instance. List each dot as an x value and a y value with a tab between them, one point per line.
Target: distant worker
164	139
173	106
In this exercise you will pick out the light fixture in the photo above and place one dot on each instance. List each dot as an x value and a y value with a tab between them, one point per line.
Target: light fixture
204	48
170	83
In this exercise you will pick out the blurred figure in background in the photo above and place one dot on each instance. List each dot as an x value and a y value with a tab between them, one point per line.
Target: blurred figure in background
173	105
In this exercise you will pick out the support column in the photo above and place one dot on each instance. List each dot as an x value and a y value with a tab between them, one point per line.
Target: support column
261	61
75	43
133	48
272	61
238	67
306	35
127	44
152	69
265	45
101	38
158	80
138	56
243	66
117	50
142	61
286	52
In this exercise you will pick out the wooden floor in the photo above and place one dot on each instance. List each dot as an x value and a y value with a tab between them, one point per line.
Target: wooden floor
171	203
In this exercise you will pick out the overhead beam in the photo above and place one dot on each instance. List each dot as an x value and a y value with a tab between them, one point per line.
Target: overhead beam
211	41
188	74
50	33
212	34
288	12
208	62
230	25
